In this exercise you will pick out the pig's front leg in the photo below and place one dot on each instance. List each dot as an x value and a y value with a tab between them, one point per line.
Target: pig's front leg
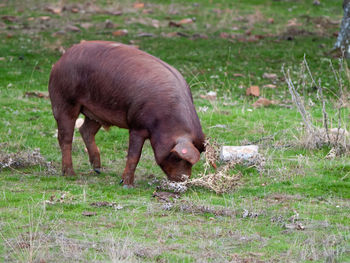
136	141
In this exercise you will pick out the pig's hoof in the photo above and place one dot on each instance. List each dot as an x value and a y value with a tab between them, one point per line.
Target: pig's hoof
127	186
97	170
121	181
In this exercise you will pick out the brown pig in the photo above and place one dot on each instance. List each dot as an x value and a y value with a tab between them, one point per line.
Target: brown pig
115	84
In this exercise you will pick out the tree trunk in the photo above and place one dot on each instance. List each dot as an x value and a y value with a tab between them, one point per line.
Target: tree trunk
343	40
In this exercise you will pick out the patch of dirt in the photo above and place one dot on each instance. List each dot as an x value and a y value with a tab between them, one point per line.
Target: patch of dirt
295	31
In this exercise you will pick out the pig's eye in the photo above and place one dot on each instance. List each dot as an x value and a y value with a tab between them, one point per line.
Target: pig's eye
175	158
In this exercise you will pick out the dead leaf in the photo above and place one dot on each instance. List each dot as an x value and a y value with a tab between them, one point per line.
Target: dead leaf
253	90
71	28
270	86
174	24
186	21
88	213
54	9
170	34
181	22
42	95
263	102
121	32
269	76
10	18
138	5
182	34
147	11
58	33
45	18
74	10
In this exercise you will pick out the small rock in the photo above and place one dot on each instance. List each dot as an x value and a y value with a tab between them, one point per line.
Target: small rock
228	153
263	102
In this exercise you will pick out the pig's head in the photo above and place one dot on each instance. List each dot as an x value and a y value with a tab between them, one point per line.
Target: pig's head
178	162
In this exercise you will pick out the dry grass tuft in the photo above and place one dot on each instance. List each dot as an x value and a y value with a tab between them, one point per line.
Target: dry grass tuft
316	137
220	182
23	159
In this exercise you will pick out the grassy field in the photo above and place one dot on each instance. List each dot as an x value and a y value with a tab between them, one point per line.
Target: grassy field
296	209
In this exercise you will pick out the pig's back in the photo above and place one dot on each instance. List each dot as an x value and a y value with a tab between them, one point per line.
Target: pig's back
110	79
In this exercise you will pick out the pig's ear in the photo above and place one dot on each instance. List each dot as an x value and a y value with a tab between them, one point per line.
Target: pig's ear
187	151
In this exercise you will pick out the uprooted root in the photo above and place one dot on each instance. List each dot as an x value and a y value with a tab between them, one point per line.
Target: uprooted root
23	159
219	182
212	152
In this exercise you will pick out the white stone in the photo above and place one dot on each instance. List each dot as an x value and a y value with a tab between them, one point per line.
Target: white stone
228	153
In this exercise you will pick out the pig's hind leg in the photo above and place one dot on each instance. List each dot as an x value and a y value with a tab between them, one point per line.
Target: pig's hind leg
88	131
66	116
136	141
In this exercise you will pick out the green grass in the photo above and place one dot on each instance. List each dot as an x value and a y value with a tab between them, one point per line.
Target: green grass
296	180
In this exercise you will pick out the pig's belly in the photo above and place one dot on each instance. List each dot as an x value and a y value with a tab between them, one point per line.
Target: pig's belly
105	117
